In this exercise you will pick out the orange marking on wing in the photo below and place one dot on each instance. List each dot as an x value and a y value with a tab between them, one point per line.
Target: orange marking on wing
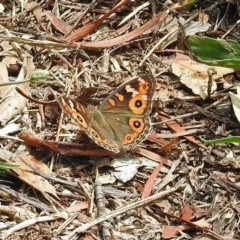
110	145
138	104
66	107
75	113
79	119
143	87
111	102
129	138
95	135
119	96
137	124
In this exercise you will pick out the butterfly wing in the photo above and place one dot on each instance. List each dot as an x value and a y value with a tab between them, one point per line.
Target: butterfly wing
91	121
76	111
126	111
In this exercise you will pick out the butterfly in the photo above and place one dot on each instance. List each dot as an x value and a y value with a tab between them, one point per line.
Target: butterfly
121	121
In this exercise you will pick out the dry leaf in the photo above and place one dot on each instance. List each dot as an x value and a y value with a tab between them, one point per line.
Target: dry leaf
195	76
27	175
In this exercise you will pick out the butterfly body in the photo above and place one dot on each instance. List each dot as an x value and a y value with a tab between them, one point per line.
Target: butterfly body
121	121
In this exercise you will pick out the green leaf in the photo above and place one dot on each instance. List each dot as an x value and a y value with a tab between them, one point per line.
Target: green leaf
214	52
6	166
189	3
234	139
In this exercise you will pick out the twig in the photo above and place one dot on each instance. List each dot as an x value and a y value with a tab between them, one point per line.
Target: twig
122	210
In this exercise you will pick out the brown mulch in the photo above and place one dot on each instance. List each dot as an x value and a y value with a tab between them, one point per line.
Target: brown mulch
172	186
